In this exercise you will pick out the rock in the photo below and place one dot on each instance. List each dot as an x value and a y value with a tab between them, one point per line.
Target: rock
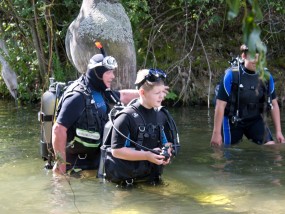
108	23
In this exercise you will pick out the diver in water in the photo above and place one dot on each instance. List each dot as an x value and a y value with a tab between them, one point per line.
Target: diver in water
141	142
242	100
82	114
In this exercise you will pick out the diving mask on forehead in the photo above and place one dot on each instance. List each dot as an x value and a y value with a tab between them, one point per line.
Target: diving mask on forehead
153	75
108	62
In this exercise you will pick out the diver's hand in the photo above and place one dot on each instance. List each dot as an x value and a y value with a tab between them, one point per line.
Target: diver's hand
216	140
280	137
59	168
154	158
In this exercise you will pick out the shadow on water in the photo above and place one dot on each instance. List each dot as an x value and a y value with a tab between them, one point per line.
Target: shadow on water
243	179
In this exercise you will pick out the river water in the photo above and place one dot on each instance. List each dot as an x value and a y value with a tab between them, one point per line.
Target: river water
244	179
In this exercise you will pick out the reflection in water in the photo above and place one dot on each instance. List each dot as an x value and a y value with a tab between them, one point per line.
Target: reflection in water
243	179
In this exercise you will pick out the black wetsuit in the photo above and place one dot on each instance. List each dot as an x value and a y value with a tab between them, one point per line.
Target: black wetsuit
155	136
128	127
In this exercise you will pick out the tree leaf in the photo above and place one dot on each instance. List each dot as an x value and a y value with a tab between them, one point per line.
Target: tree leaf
234	6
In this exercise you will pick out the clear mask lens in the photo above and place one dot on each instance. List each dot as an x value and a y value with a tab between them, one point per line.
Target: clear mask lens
108	62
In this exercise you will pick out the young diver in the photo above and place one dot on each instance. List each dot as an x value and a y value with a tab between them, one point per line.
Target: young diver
140	135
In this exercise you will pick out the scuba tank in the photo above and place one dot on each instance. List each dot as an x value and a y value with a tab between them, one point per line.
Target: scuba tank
46	115
107	132
106	138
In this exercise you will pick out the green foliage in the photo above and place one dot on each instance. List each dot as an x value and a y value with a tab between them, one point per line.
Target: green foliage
171	96
251	30
20	22
137	10
26	70
234	6
63	73
58	70
190	39
164	34
22	60
139	14
4	92
277	6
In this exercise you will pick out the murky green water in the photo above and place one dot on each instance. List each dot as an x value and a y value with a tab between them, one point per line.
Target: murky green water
245	179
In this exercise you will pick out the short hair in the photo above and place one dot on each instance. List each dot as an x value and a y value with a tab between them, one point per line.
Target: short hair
141	82
147	85
243	48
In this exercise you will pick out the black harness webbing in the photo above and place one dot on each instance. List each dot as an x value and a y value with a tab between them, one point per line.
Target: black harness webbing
234	99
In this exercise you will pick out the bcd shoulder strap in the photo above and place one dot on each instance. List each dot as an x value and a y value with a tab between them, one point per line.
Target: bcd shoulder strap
173	130
234	99
134	113
234	90
268	96
115	112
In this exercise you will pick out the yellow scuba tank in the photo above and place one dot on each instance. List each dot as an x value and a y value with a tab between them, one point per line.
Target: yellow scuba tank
46	115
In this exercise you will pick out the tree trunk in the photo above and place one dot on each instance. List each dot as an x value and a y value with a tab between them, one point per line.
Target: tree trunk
39	52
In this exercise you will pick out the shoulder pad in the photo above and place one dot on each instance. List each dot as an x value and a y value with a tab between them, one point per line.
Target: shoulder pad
128	110
235	68
133	113
162	108
122	110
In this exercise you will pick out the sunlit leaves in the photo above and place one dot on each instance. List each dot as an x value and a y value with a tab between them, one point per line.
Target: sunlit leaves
171	96
256	10
251	29
19	21
136	10
234	7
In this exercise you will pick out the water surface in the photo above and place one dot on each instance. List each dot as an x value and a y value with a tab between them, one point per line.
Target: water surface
244	179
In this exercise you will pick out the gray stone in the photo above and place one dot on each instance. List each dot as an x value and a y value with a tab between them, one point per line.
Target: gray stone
108	23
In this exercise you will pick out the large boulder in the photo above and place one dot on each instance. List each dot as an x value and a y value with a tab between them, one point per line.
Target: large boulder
108	23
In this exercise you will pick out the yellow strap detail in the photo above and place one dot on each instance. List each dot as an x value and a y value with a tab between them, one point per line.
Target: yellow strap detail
91	145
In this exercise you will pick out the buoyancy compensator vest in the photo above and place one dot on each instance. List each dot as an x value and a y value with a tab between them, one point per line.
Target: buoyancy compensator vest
51	102
85	135
250	96
139	168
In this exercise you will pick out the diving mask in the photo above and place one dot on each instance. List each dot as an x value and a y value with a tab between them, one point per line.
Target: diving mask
108	62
